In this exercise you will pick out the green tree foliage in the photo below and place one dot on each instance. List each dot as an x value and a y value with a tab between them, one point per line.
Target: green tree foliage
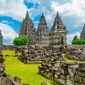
21	40
79	41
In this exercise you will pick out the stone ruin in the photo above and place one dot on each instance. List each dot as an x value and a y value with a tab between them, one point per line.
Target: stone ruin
75	52
38	55
7	79
64	73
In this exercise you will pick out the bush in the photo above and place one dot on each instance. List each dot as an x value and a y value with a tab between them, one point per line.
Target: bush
21	40
79	41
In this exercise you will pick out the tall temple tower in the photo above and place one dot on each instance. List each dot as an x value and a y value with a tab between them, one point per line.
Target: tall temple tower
27	29
42	32
1	38
82	35
58	32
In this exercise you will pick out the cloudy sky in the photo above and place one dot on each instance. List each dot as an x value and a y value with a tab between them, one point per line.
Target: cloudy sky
12	13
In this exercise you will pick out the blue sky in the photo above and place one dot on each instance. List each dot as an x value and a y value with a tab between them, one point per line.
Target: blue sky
12	13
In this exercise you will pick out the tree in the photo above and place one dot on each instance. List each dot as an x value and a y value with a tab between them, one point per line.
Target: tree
79	41
21	40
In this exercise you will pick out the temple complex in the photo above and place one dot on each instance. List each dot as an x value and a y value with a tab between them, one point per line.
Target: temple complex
41	36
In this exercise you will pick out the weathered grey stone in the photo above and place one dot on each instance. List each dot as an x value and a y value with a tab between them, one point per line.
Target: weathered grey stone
7	81
45	83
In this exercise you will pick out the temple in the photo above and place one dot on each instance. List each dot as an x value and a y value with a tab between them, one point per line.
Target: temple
58	32
41	36
42	32
27	29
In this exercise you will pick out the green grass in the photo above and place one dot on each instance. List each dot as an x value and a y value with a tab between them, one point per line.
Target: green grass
71	61
27	72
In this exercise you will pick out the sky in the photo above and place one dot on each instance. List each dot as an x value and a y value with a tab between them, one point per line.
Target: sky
12	13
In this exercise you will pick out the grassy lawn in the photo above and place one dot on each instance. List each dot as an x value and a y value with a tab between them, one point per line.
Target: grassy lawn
27	72
71	61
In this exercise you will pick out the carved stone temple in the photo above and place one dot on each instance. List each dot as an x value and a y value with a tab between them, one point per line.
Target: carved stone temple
41	36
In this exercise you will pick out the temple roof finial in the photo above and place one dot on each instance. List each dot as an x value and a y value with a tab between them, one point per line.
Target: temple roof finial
27	15
42	16
58	19
57	13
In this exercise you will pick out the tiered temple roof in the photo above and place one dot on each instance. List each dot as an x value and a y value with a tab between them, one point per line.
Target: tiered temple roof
58	32
27	25
42	31
27	28
58	24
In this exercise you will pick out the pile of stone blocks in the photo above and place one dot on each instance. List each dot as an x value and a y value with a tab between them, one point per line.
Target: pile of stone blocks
75	52
64	73
38	55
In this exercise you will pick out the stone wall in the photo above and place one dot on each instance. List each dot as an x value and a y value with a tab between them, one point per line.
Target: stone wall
11	47
38	55
64	73
8	47
75	52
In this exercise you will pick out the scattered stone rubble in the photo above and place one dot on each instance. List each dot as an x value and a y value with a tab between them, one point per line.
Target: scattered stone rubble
64	73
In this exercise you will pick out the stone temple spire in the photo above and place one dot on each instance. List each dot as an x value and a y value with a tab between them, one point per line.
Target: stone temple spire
58	32
27	28
27	16
42	31
82	35
58	24
42	22
58	19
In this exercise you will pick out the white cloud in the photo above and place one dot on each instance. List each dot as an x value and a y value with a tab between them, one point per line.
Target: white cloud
13	8
76	8
8	33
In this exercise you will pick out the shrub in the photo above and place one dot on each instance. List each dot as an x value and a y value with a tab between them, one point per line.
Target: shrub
79	41
21	40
